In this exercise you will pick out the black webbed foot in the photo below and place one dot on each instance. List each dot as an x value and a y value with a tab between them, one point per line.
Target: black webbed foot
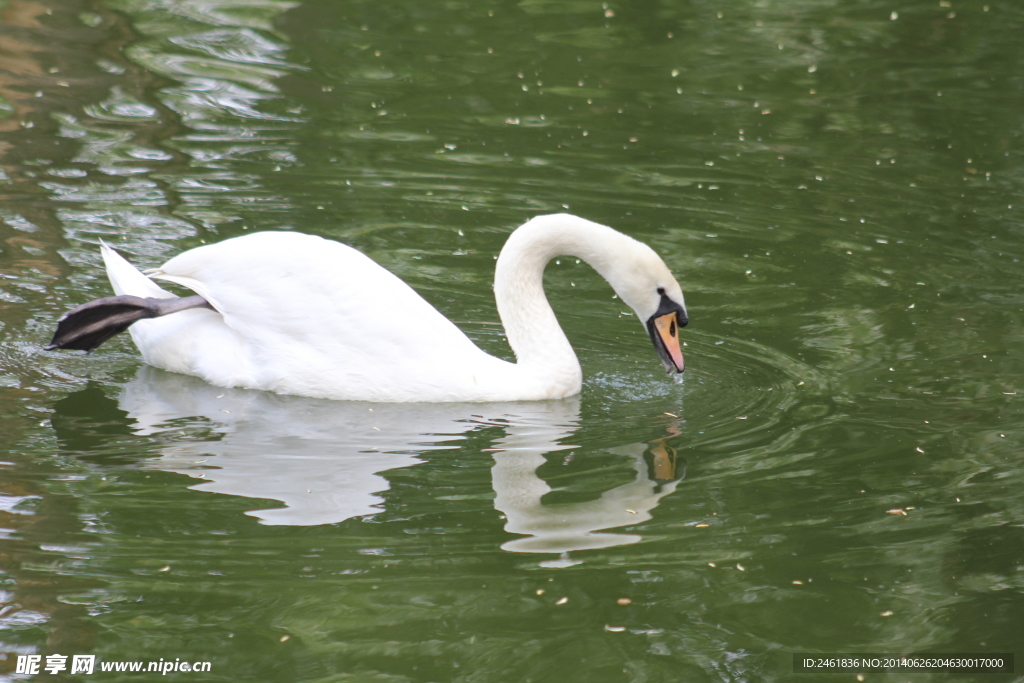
86	327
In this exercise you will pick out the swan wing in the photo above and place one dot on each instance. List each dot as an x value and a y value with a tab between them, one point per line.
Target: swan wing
315	317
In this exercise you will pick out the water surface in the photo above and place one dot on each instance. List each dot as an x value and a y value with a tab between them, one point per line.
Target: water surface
838	188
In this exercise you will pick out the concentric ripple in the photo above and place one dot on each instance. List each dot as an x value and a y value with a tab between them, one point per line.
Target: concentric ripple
733	393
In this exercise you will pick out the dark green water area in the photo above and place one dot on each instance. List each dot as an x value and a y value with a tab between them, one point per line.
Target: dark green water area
838	186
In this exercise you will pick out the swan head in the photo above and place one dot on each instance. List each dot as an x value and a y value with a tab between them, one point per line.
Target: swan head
647	286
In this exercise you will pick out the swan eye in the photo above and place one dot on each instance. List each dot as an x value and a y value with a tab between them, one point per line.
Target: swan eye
661	291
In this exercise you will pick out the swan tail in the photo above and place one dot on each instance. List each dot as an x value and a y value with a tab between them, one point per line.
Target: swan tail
126	278
86	327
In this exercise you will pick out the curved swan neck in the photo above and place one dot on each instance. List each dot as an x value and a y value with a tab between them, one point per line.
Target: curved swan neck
532	329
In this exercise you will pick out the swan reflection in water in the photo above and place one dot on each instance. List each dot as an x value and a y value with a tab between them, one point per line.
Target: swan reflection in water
323	459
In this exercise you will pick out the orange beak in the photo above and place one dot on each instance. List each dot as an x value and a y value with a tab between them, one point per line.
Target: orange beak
667	329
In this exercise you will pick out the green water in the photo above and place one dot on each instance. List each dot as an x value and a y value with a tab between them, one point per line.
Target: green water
838	187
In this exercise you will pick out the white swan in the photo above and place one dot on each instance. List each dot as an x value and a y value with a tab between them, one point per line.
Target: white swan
299	314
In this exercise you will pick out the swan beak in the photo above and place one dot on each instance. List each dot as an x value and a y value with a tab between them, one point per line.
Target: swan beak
665	334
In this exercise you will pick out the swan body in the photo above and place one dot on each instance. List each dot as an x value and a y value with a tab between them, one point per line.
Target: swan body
299	314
